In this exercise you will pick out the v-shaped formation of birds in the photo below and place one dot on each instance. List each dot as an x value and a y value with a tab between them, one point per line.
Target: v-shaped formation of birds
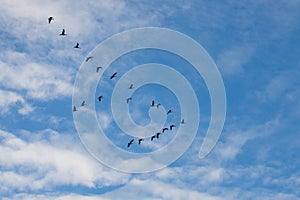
98	68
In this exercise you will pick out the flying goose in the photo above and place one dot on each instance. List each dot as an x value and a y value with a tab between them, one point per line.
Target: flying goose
129	143
113	76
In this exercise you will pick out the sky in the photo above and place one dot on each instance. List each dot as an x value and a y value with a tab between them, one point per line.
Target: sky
254	45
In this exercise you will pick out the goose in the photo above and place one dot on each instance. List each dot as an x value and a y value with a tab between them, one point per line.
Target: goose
152	104
140	140
128	99
98	68
100	98
63	32
157	135
172	126
50	19
164	129
113	76
88	58
129	143
77	46
74	109
153	137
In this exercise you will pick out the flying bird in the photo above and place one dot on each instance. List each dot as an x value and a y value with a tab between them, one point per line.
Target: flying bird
169	112
88	58
128	99
50	19
152	104
164	129
131	86
140	140
100	98
98	68
77	46
157	135
182	121
113	76
158	105
172	126
129	143
63	32
74	109
153	137
83	103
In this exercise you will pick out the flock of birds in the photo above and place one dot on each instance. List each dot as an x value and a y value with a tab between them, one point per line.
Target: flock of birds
63	32
139	140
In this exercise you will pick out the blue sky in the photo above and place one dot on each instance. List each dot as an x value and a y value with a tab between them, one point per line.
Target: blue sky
255	46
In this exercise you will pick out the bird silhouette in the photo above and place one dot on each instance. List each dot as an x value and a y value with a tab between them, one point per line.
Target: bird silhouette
98	68
74	109
83	103
172	126
131	86
169	112
129	143
157	135
63	32
164	129
153	137
128	99
152	104
50	19
182	121
77	46
88	58
158	105
100	98
113	76
140	140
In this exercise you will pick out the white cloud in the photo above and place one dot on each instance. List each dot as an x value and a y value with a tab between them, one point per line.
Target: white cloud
47	163
232	60
284	85
11	99
150	189
39	81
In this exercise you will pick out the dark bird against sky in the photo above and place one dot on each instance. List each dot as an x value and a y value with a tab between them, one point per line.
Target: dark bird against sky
157	135
164	129
77	46
63	33
128	99
113	76
74	109
153	103
100	98
88	58
129	143
172	126
153	137
98	68
50	19
140	140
